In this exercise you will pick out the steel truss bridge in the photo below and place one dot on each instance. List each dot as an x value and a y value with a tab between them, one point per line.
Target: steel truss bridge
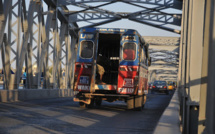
41	36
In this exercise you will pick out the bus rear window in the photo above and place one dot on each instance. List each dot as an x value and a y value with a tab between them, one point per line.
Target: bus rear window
129	51
86	49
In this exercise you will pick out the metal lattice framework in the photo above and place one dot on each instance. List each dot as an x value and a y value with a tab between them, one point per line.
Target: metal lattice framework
40	35
150	16
164	59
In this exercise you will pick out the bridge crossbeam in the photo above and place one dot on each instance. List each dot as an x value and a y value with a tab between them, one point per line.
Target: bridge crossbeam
174	3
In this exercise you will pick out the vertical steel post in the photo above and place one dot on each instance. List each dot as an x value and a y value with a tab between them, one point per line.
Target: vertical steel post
63	41
4	11
72	56
18	47
45	45
55	60
193	52
28	23
39	25
210	104
205	65
6	62
184	62
67	43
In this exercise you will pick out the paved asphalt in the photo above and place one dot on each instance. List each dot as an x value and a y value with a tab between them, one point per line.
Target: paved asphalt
63	116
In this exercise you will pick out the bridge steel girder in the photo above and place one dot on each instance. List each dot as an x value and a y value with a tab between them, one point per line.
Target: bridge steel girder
196	69
174	3
31	39
147	16
207	101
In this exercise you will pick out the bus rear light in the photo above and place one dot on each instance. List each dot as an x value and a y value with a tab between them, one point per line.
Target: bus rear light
153	86
122	69
78	65
164	87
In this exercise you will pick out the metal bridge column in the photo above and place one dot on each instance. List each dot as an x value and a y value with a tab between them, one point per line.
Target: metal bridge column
63	32
191	66
45	47
72	56
68	56
207	107
183	50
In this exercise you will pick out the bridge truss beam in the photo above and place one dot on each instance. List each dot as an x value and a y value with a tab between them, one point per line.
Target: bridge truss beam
32	37
147	16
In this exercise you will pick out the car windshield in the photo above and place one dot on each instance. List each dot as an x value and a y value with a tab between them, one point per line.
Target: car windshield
160	83
170	83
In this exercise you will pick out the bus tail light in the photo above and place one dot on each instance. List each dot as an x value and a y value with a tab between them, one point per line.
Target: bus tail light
153	86
164	87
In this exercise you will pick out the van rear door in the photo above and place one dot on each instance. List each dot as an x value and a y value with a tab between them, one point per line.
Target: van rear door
85	65
128	66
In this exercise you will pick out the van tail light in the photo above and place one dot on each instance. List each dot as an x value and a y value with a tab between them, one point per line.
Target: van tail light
164	86
153	86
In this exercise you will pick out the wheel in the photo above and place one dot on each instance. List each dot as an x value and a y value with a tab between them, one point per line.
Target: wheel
144	101
167	92
130	102
91	105
139	101
98	101
82	105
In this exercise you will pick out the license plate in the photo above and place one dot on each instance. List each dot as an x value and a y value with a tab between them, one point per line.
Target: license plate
84	80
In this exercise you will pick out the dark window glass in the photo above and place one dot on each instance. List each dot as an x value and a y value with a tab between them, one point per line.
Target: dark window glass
129	51
160	83
86	50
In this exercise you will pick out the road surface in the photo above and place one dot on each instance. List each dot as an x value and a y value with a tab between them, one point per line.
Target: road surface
62	115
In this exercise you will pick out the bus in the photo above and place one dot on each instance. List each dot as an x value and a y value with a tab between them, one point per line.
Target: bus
111	65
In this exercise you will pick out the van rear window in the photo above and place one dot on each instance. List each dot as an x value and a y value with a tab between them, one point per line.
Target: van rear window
129	51
86	49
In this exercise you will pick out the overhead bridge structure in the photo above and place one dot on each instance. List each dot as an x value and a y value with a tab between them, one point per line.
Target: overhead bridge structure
40	36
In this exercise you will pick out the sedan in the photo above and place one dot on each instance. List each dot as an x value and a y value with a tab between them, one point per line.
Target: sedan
160	86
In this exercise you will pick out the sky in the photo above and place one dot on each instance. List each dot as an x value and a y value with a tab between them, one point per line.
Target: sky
144	30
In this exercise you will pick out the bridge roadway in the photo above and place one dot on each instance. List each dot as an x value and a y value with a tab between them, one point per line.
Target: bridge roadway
62	115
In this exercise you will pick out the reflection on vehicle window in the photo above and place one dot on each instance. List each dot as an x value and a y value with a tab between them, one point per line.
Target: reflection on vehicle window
129	51
170	83
160	83
86	50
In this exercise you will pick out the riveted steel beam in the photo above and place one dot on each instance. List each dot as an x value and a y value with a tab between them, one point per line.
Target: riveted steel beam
174	3
5	51
157	26
4	11
158	17
27	26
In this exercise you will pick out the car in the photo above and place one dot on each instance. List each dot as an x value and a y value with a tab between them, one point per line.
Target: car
171	86
160	86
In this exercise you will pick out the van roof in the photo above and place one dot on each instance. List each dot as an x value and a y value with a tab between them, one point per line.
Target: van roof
109	30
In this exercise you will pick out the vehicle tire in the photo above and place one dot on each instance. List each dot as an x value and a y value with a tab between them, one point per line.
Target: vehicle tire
144	101
167	92
98	101
82	105
91	105
130	102
139	103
